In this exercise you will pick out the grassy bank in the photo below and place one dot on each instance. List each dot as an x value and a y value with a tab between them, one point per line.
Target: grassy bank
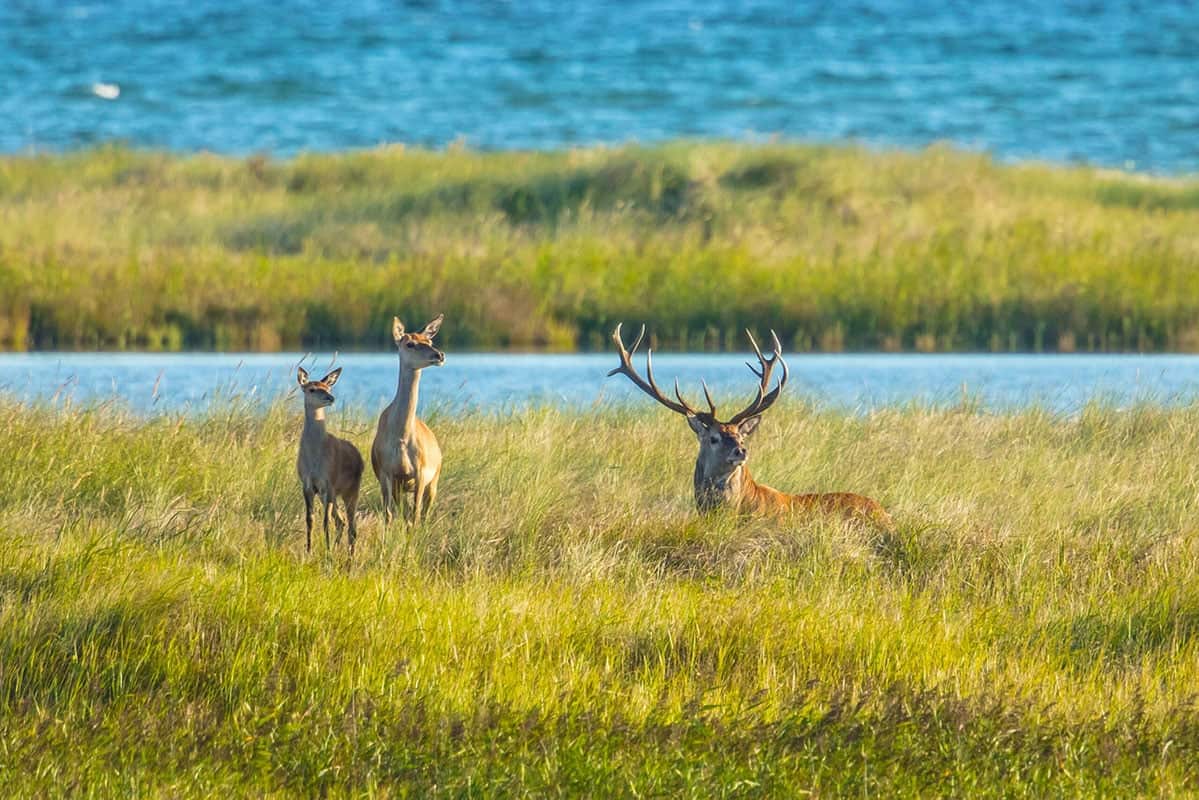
566	624
837	247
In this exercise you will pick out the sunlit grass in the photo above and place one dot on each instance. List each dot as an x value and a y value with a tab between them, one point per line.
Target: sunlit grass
566	623
839	247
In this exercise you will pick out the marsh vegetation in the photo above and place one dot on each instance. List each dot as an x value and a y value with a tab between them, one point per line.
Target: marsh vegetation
840	248
566	623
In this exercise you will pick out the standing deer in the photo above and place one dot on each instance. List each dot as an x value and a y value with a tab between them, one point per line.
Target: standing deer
328	467
722	479
405	454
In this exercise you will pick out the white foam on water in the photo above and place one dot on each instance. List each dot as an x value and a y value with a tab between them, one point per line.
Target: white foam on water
106	91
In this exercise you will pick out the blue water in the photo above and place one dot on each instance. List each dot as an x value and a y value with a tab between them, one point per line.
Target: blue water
153	383
1113	83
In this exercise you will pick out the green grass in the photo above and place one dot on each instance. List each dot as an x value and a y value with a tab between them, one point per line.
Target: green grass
567	624
838	247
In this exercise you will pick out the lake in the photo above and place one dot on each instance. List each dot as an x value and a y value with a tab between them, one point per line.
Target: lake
1111	83
153	383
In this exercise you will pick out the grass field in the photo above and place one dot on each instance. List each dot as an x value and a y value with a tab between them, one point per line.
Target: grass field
566	624
841	248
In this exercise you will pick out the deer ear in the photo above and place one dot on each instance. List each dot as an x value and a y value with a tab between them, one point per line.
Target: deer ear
301	376
397	328
332	377
697	425
749	426
433	327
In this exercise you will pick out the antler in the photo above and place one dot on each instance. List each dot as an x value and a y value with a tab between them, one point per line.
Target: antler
764	400
647	384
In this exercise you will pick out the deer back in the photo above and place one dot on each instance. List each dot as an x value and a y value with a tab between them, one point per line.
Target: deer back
847	505
752	497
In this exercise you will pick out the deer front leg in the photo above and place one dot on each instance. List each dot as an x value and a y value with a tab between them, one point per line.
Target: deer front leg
308	496
418	494
328	510
386	489
351	502
399	495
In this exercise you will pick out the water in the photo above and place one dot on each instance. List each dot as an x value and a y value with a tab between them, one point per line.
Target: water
1112	83
151	383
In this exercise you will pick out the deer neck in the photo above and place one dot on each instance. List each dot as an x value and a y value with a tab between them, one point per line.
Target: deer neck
720	487
314	426
403	408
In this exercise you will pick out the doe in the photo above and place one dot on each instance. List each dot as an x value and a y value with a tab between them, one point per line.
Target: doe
329	467
405	454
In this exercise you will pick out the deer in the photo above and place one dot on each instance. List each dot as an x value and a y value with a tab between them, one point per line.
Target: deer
722	479
405	454
329	467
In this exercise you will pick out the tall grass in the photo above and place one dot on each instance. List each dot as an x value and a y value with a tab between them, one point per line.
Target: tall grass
567	624
839	247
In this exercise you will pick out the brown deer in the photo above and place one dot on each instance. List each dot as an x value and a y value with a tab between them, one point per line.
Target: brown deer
328	467
405	454
722	479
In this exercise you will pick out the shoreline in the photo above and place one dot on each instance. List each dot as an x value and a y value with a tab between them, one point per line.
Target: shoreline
839	248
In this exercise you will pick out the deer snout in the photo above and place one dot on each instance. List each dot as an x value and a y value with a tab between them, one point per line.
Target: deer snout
738	456
438	357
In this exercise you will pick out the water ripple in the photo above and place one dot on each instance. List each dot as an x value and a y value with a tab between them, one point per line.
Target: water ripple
1109	83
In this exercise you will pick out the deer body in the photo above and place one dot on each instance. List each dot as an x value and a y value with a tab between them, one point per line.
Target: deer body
329	468
736	489
405	454
722	479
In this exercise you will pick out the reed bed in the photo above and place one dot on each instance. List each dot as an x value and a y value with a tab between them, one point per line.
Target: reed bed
566	624
841	248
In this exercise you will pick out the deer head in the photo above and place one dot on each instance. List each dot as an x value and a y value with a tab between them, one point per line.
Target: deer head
416	349
316	393
722	445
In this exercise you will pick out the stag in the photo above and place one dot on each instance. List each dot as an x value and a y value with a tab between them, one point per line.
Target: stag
722	477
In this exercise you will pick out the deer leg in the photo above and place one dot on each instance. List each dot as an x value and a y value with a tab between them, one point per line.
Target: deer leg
351	501
308	495
399	494
431	491
386	488
328	510
418	491
339	524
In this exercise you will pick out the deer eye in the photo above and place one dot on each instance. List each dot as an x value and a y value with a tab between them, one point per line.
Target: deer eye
410	345
715	440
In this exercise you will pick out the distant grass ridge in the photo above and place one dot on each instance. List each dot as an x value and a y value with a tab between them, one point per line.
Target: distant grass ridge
838	248
567	624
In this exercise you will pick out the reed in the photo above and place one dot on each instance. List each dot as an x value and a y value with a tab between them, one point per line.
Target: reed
839	247
565	623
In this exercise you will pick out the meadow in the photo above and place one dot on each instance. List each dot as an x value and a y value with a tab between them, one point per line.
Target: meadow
842	248
566	624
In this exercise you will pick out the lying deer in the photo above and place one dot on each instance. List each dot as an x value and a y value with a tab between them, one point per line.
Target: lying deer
405	454
329	467
722	479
